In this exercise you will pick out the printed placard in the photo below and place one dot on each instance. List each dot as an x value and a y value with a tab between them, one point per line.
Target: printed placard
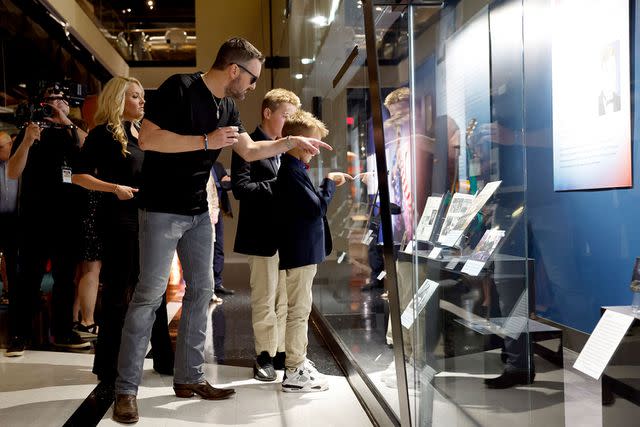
418	303
435	253
602	343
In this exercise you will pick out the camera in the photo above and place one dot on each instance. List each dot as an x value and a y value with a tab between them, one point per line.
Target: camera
33	112
36	109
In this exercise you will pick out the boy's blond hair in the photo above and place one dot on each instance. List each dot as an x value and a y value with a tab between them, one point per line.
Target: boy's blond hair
302	122
398	95
275	97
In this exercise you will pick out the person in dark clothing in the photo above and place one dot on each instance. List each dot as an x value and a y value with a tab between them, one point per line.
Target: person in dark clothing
253	186
110	162
222	182
8	218
47	223
304	240
190	119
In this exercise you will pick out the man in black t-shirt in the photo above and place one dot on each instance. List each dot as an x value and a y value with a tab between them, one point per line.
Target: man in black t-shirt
47	224
188	121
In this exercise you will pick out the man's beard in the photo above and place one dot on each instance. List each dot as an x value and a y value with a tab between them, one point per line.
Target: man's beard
234	90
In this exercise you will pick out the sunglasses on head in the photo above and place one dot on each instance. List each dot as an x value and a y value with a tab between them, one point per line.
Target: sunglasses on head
254	78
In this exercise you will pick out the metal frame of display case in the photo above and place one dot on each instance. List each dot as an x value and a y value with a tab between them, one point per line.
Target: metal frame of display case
385	214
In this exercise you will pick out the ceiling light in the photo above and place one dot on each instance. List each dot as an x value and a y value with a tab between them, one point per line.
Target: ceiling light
22	85
319	21
150	3
298	76
128	10
306	61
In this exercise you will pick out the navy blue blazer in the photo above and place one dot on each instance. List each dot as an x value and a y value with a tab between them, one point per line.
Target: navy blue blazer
304	237
253	185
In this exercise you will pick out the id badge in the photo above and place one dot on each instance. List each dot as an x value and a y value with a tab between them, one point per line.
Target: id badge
66	175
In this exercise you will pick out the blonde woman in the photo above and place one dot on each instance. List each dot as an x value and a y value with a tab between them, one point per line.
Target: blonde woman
111	162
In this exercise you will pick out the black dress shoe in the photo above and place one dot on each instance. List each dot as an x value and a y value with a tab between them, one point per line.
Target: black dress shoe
510	379
204	390
126	409
224	291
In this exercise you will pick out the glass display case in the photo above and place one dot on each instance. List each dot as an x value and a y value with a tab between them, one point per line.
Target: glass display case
429	297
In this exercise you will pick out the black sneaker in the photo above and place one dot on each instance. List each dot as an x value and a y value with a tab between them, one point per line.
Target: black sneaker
16	347
72	341
89	332
263	368
278	361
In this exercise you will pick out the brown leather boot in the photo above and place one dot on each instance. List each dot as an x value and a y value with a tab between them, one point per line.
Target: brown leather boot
204	390
126	409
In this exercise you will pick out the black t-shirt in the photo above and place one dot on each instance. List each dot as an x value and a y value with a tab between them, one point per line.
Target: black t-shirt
42	192
102	157
176	183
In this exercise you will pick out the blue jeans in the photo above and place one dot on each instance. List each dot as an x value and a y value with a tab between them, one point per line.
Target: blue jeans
160	235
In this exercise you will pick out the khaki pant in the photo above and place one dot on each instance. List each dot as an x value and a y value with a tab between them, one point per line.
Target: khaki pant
299	281
268	304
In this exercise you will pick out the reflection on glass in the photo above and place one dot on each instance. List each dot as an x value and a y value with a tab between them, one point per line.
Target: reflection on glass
451	79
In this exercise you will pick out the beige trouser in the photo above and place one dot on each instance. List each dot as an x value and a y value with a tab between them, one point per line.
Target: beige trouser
268	304
299	281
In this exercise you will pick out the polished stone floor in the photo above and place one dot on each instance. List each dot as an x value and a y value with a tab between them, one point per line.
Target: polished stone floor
48	388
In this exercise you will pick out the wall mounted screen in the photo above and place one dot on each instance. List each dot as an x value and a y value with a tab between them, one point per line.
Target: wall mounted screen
591	95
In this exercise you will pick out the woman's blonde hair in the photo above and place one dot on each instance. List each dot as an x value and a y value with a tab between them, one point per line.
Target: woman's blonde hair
111	107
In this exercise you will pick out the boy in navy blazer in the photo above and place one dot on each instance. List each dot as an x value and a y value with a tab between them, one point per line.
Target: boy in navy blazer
304	241
256	236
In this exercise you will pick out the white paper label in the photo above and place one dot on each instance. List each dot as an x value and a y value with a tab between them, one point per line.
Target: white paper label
341	257
602	343
409	248
451	239
472	267
418	303
435	253
381	275
452	264
365	238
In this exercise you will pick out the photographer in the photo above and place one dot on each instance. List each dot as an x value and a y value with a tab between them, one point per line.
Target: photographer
42	156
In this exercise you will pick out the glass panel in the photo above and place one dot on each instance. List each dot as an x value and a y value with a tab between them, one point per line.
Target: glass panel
453	120
347	291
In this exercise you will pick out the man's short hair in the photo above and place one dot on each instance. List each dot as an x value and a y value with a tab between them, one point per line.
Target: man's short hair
236	50
398	95
302	122
275	97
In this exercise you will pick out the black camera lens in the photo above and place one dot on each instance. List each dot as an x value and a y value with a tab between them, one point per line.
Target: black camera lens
46	110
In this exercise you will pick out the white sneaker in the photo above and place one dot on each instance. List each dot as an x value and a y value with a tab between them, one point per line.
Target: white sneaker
304	378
